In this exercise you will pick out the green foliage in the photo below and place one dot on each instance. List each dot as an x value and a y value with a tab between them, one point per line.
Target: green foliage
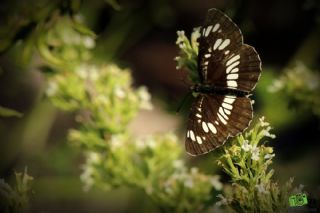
51	28
15	199
6	112
301	85
247	161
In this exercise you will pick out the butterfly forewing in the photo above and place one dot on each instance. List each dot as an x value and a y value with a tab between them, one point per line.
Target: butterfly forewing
213	118
224	60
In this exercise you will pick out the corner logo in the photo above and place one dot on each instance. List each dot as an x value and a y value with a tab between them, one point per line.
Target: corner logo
298	200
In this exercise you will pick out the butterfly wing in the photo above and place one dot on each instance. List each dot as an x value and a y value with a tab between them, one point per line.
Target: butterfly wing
224	60
213	118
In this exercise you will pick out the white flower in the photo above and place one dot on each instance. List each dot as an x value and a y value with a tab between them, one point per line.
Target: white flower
102	100
145	98
145	142
189	182
246	146
119	92
181	36
52	88
268	134
277	85
94	158
215	182
255	153
261	189
262	122
88	72
194	37
93	73
178	164
87	177
116	141
88	42
194	170
223	201
141	144
269	156
82	72
182	45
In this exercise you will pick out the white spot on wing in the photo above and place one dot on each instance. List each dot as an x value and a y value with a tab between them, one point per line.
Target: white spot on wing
232	84
192	136
229	68
226	52
223	114
233	76
208	30
228	112
188	134
216	27
222	119
227	106
198	115
217	43
235	70
212	128
205	127
199	140
228	100
224	44
233	59
207	55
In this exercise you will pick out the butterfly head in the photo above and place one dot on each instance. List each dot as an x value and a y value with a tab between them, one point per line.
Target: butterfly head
202	88
194	88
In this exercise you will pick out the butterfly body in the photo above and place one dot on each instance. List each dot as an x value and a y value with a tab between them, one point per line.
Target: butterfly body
211	89
228	71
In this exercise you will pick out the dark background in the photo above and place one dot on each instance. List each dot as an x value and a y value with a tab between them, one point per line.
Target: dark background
142	36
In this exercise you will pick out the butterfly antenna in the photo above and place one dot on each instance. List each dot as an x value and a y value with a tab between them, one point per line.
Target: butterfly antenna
183	101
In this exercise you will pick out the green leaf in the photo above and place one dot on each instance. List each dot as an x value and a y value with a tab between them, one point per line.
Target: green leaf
83	29
114	4
6	112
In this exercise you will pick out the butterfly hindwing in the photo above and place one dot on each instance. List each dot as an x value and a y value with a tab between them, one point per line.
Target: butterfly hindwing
213	118
224	60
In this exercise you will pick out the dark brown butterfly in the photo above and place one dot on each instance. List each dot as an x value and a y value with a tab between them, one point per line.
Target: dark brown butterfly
228	71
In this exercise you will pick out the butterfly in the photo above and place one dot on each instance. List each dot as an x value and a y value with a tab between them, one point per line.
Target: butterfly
228	71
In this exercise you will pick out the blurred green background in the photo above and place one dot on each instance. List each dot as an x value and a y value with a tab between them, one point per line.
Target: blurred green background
141	34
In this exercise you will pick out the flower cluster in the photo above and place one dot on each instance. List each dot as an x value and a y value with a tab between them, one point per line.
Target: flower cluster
108	107
145	163
16	199
67	42
301	86
247	161
188	54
